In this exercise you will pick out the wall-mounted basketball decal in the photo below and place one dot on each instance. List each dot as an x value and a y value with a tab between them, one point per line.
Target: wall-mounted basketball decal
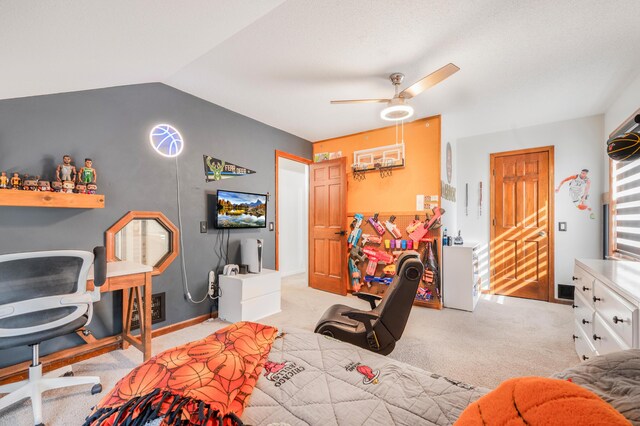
166	140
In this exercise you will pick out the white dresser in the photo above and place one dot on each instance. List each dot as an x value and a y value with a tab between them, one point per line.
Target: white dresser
606	306
249	297
460	278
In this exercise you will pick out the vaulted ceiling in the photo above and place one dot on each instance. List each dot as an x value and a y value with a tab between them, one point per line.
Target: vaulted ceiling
281	62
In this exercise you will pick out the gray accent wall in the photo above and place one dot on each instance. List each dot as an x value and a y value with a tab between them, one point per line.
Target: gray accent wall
112	127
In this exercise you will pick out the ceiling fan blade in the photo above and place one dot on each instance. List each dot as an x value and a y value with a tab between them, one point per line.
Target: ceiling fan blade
361	101
429	81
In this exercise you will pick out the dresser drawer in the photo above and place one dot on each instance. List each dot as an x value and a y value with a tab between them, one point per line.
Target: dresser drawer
583	283
583	314
620	315
604	340
584	348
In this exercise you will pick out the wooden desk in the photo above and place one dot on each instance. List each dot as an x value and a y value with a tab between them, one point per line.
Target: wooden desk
134	279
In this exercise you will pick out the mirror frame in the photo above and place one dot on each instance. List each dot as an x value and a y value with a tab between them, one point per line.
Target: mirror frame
174	241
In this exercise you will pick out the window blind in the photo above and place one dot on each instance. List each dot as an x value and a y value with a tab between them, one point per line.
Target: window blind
626	213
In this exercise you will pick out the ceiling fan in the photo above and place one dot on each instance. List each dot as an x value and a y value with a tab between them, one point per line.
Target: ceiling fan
397	107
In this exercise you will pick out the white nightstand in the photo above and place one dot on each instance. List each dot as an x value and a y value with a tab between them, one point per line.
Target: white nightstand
249	297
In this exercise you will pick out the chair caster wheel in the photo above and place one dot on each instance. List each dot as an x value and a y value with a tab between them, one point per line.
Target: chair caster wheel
96	389
68	374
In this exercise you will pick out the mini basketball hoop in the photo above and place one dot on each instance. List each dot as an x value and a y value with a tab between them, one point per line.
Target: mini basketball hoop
359	172
385	167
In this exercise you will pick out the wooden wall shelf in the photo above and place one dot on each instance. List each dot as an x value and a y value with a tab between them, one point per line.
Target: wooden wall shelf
15	198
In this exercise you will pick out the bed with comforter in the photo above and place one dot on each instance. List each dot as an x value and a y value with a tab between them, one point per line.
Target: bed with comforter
253	374
313	379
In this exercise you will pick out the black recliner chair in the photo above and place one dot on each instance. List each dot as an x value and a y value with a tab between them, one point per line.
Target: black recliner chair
380	328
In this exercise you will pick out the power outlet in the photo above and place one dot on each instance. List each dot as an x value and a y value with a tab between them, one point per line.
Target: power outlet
203	227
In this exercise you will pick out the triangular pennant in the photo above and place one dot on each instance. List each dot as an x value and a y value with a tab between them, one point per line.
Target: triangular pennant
216	169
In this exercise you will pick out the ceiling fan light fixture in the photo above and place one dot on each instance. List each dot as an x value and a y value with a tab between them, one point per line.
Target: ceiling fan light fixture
397	112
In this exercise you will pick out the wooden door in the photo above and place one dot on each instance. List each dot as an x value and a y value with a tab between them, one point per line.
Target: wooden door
327	227
521	211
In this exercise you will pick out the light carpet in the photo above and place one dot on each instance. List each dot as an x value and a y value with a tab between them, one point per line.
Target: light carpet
504	337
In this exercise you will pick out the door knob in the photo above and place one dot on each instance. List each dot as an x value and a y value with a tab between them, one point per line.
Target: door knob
341	233
542	234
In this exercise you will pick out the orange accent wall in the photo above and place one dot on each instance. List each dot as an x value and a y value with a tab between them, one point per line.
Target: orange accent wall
397	193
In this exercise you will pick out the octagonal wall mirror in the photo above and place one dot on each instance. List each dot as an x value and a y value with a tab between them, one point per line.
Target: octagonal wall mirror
143	237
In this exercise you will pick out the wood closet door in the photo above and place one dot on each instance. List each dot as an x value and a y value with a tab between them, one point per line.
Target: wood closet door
327	226
520	254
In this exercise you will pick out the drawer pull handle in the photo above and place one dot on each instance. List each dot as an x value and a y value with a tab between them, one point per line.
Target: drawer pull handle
585	288
596	337
584	321
575	278
584	357
617	320
575	306
596	299
575	337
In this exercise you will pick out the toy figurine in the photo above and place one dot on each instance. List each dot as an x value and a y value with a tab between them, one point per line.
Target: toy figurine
56	186
44	186
92	188
87	174
66	171
81	188
68	186
4	180
16	181
30	183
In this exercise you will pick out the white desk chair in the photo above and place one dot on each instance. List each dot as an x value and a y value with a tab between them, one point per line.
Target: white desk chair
44	295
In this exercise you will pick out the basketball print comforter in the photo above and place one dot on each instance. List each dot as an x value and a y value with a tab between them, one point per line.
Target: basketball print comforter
310	379
206	382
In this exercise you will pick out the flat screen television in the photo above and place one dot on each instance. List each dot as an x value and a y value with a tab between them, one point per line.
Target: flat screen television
240	210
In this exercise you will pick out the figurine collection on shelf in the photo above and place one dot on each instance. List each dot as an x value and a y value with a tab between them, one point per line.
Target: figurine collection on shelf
67	179
372	256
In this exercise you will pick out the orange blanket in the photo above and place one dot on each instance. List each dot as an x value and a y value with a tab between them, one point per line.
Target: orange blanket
206	382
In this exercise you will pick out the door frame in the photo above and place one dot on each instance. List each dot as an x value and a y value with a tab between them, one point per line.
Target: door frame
292	157
551	220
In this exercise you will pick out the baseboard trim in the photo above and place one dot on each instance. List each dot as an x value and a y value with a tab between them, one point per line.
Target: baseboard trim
56	360
183	324
294	272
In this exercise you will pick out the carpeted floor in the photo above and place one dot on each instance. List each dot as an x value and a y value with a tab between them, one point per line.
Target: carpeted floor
504	337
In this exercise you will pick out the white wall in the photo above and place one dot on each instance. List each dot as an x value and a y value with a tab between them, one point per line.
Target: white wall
578	144
293	216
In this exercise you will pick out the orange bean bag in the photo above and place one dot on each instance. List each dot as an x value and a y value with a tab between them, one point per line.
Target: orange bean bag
538	401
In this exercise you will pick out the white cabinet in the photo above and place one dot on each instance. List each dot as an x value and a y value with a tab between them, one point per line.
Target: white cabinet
606	306
461	279
249	297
